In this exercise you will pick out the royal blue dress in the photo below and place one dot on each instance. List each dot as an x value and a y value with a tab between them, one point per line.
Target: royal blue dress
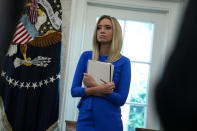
101	113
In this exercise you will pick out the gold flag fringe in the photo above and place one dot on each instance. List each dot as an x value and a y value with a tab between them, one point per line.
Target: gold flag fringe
4	124
52	127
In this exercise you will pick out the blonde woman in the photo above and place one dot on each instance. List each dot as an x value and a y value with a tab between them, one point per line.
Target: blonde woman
99	107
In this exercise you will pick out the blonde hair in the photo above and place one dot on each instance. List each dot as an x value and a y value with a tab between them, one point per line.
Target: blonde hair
116	44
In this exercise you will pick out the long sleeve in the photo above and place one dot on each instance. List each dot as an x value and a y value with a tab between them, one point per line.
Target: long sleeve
77	90
119	98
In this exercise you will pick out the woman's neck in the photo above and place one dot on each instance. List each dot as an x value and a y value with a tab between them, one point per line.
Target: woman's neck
104	49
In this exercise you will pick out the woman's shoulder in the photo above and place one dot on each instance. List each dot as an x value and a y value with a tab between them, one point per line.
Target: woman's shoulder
89	52
123	60
86	54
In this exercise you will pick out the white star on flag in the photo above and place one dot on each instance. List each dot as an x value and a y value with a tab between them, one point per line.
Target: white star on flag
10	81
27	85
21	84
34	85
52	79
15	83
58	76
3	74
40	83
46	82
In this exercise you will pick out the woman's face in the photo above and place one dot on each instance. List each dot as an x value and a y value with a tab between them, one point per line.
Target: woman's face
104	31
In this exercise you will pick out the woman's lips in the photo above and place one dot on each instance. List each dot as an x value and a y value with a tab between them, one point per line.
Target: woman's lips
102	36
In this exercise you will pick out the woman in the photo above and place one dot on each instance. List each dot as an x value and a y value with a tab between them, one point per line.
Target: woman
99	107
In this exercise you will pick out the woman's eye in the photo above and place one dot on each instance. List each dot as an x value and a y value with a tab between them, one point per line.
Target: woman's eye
98	28
108	27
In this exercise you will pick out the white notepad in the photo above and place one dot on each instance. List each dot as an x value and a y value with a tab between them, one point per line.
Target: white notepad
100	70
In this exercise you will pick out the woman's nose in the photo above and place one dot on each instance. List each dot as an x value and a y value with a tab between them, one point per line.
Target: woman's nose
102	29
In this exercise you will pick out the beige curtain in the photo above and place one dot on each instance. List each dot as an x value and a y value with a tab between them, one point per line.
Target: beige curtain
4	124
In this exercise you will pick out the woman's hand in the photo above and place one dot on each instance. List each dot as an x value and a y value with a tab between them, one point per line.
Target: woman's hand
106	88
88	80
100	90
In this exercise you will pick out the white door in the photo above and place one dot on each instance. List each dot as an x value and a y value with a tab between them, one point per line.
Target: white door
144	41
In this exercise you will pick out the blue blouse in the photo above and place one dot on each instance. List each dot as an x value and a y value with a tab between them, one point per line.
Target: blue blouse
121	79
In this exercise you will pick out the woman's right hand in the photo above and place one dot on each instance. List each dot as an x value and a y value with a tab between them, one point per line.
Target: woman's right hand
88	80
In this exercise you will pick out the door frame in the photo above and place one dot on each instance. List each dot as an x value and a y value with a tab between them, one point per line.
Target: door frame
68	108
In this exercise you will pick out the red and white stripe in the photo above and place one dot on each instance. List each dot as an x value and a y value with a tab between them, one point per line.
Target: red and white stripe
33	13
21	35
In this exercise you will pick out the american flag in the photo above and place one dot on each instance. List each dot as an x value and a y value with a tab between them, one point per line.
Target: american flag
33	13
21	35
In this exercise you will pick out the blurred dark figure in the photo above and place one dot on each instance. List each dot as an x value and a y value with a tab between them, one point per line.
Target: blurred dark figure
176	92
10	13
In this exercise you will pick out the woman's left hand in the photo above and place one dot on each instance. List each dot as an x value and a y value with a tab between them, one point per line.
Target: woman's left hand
88	80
